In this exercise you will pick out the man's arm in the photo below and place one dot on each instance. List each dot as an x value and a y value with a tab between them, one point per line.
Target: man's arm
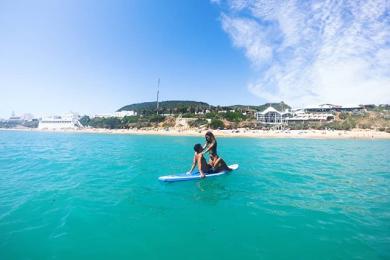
199	159
192	166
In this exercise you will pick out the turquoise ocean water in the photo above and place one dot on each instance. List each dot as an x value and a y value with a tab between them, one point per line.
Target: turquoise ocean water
91	196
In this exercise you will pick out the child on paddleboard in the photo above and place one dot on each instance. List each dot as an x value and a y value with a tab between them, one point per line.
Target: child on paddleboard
200	161
211	144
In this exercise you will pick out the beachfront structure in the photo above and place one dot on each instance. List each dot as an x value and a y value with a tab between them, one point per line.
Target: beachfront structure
15	119
67	121
301	116
102	116
20	119
330	108
119	114
271	116
125	113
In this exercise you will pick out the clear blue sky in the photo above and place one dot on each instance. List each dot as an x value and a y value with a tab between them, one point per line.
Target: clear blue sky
96	56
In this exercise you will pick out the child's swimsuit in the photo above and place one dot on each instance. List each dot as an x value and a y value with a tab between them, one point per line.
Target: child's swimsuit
214	149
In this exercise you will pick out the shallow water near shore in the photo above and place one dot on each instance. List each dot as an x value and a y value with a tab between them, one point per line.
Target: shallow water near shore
80	196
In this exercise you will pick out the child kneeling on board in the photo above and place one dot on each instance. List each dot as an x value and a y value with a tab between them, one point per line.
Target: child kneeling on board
218	164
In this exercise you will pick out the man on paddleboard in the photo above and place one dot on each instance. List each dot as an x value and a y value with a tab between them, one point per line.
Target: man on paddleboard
200	161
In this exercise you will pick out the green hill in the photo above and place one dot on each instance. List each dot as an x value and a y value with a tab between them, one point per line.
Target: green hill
187	106
278	106
173	105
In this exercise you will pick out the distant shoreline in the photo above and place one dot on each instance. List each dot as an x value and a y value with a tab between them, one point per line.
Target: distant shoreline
309	134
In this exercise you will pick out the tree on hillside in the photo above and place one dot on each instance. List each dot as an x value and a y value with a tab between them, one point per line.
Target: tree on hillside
216	124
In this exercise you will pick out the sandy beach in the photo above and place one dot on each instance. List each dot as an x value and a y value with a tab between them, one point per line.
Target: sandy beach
313	134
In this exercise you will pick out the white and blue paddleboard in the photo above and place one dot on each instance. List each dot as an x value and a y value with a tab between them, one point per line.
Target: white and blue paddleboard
194	175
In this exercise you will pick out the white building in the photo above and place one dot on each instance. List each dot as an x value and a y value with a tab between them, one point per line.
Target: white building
125	113
302	116
118	114
15	119
102	116
27	117
271	116
67	121
330	108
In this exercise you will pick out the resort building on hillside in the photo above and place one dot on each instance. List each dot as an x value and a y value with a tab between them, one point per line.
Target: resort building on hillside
67	121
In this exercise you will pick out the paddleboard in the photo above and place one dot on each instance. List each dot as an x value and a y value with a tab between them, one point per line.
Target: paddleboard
194	175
